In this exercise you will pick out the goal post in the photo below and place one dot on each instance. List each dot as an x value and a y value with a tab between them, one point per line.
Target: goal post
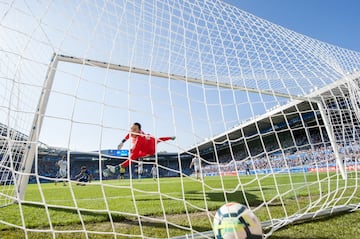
31	147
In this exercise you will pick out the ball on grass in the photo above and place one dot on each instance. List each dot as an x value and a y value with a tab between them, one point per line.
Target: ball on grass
236	221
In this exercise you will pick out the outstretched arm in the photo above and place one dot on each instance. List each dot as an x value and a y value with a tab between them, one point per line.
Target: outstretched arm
79	175
123	141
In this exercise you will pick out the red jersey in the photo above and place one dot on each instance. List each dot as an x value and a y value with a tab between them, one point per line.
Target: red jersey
134	137
143	145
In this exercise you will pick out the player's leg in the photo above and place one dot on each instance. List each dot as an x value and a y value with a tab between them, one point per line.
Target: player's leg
82	181
79	181
134	156
63	176
198	173
57	176
112	168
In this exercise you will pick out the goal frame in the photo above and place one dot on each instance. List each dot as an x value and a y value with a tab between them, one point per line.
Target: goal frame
33	139
30	149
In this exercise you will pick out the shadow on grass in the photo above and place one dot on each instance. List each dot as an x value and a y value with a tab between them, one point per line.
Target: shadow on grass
155	223
306	231
305	237
237	196
103	217
96	214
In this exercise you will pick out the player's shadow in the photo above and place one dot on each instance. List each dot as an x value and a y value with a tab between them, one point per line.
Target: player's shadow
237	196
103	217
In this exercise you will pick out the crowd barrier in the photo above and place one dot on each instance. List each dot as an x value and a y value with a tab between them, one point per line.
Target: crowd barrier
311	168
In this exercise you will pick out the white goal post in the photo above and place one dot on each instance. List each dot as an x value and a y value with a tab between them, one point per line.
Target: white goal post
30	149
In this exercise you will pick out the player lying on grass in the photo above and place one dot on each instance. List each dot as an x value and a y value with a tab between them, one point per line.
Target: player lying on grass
84	176
143	145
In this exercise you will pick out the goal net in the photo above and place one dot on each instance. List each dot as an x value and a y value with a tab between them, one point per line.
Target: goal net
272	115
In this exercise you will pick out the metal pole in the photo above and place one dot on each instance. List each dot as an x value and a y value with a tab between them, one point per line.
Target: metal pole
32	142
160	74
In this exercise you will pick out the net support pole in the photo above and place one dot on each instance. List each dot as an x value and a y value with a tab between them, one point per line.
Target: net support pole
32	142
332	139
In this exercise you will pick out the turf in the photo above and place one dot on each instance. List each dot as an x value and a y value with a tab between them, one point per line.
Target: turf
171	206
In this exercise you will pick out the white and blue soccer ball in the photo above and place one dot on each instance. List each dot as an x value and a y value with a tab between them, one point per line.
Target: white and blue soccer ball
236	221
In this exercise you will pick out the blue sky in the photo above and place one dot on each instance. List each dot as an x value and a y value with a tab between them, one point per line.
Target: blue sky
333	21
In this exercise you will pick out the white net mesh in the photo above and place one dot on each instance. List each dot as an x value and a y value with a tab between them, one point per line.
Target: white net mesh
273	115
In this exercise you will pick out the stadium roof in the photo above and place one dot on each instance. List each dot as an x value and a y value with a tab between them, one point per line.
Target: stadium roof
262	122
291	110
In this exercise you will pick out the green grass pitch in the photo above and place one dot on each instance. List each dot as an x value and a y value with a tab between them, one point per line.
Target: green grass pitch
168	206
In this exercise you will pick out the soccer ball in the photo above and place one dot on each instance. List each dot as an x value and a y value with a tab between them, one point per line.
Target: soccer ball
236	221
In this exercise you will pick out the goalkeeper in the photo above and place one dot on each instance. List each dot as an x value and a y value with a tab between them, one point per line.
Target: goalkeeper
143	145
